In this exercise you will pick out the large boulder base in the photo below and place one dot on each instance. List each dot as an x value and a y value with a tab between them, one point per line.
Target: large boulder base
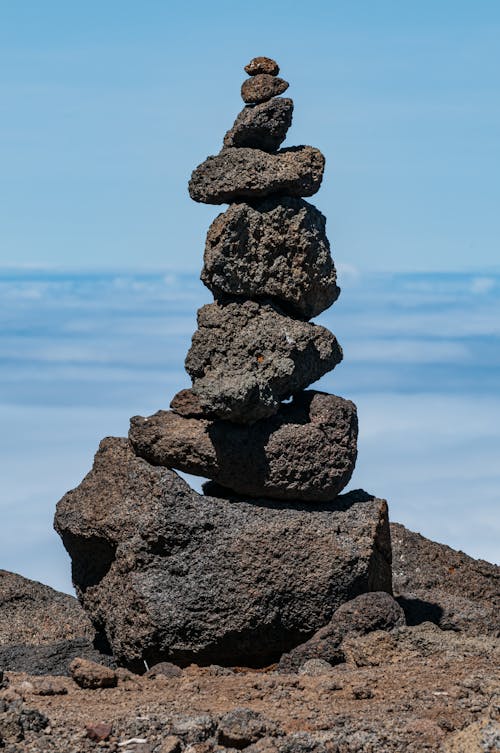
245	358
261	126
277	249
436	583
237	174
307	451
173	575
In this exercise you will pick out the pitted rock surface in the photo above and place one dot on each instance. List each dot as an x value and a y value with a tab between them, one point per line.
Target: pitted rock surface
307	451
175	576
276	248
436	583
33	614
364	614
262	126
261	87
262	64
236	174
246	358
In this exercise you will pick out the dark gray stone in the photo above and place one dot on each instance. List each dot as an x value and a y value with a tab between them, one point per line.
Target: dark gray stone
275	249
49	658
261	87
262	126
245	358
262	64
435	583
307	451
364	614
237	174
174	576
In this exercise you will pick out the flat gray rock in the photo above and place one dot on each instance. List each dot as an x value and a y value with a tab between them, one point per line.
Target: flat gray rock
276	248
171	575
244	173
307	451
262	86
261	126
245	358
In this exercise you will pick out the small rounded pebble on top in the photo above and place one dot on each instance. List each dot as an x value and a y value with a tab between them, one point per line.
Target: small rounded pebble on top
262	65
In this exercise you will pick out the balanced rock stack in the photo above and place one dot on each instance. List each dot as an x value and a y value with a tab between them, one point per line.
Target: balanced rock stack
259	562
268	264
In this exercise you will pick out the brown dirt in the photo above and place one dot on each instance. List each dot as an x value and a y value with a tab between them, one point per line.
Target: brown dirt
416	689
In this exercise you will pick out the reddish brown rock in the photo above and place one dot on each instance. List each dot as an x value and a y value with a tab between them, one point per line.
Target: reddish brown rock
90	675
262	87
98	732
244	173
307	451
262	64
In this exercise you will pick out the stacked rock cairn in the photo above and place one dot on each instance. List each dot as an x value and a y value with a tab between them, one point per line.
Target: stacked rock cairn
268	264
253	566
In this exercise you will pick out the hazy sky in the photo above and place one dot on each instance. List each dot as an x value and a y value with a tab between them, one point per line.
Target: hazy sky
106	107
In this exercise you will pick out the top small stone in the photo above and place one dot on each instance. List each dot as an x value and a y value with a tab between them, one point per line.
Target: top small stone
262	65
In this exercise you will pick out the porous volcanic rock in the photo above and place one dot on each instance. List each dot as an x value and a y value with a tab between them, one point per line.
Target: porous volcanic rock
252	174
175	576
50	658
306	451
276	248
34	614
262	64
436	583
261	87
364	614
245	358
262	126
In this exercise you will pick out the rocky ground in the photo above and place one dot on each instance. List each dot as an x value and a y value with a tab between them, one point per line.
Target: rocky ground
417	687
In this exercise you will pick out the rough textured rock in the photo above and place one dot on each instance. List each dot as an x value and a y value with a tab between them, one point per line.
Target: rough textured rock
49	658
364	614
276	248
307	451
262	126
172	575
261	87
34	614
436	583
262	64
242	727
186	403
237	174
245	358
91	675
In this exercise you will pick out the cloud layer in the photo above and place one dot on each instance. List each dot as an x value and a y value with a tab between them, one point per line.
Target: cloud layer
81	353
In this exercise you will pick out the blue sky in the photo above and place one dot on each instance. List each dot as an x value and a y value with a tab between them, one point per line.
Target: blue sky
105	109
